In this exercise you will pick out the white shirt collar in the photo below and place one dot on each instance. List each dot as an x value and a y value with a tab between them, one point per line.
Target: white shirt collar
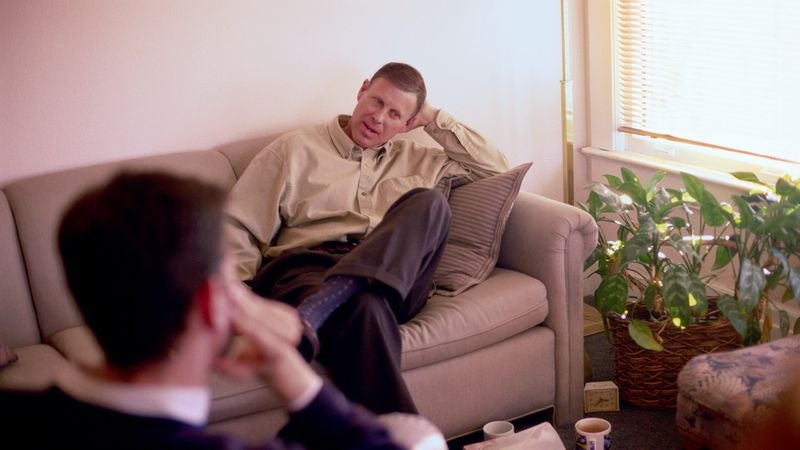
182	403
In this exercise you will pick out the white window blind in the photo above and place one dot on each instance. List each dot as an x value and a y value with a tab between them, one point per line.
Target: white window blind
724	73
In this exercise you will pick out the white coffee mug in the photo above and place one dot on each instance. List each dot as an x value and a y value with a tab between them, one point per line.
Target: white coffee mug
496	429
593	434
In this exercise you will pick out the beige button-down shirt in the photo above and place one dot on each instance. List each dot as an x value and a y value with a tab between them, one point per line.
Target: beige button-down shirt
315	185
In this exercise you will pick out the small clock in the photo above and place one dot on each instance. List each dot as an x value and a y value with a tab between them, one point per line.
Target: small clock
600	396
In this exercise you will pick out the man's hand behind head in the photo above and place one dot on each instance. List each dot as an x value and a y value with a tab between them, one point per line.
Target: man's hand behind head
426	115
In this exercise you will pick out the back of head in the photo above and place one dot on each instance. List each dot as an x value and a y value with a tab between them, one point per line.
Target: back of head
135	251
405	78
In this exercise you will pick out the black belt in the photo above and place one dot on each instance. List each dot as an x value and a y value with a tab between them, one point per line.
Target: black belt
336	247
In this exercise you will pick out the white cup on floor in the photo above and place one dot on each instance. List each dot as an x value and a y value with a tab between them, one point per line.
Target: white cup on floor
496	429
592	433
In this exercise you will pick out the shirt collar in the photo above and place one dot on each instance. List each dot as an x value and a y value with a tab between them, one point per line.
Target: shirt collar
182	403
344	145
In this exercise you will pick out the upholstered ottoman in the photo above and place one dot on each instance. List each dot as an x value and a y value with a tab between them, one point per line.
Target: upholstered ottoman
723	397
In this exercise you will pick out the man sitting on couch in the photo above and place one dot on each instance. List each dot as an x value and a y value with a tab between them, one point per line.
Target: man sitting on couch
144	259
340	220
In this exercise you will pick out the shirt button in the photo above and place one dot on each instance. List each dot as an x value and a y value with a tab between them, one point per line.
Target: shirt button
363	193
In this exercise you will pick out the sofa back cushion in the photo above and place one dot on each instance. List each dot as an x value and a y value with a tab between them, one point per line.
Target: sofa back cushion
17	317
240	153
38	203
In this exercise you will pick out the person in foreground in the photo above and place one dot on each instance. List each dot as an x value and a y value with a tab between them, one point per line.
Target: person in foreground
342	221
145	261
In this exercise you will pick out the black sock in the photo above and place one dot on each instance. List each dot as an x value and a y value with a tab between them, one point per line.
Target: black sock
332	294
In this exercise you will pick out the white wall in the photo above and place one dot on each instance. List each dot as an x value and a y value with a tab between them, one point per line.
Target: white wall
86	81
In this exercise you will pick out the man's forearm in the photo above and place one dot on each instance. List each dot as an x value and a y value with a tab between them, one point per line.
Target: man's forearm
470	149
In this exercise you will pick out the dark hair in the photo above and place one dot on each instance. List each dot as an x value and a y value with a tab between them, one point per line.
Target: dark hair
405	78
135	251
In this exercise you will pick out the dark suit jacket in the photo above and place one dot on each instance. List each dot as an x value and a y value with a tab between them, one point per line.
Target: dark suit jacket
52	419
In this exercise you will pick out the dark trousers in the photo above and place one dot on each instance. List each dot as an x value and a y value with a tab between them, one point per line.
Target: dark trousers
360	343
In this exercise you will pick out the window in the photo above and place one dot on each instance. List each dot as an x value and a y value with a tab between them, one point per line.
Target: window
714	82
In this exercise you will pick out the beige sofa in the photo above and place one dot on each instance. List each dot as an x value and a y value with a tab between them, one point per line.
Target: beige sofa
508	347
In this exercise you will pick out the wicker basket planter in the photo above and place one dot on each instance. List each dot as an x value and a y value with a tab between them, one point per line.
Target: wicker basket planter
648	379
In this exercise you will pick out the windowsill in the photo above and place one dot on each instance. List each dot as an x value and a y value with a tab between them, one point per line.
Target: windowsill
715	178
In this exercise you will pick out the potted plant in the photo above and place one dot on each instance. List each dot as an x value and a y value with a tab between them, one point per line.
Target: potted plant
656	270
760	251
656	256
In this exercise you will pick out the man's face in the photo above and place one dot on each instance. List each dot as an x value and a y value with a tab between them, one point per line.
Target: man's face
382	111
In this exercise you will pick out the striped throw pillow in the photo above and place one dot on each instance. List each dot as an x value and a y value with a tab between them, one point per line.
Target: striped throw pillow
479	214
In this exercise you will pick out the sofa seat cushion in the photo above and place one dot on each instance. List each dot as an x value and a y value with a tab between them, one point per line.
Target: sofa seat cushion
233	398
506	304
34	370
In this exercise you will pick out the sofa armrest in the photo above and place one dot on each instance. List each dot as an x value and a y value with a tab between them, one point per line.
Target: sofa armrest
549	240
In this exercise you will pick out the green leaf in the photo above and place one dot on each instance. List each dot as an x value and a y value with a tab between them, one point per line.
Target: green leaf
612	294
722	257
747	176
663	204
653	181
752	335
650	293
787	294
636	247
606	264
594	204
710	208
745	212
628	176
635	191
773	279
783	316
613	181
736	317
632	186
676	293
713	213
751	284
607	197
796	328
697	289
676	194
678	222
643	335
684	247
622	233
774	224
694	186
647	226
786	188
